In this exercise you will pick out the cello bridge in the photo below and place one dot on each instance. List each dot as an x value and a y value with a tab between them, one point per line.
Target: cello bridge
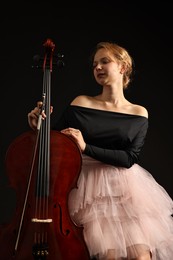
37	220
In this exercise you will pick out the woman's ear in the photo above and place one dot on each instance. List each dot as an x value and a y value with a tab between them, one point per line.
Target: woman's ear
122	69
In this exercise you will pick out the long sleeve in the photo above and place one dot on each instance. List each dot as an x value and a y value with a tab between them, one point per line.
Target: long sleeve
121	157
111	137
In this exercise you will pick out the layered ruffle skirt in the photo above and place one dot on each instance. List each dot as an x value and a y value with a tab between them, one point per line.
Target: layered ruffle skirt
123	212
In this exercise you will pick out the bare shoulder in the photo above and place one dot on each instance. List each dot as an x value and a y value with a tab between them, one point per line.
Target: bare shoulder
140	110
93	102
81	100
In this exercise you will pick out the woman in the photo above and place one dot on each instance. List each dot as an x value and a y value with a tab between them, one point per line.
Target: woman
125	213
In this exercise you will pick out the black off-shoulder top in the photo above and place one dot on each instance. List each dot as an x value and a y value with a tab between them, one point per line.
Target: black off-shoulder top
111	137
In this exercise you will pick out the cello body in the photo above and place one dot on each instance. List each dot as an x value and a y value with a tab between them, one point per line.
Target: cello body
58	238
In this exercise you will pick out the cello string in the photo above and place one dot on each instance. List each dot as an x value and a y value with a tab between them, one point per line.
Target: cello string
40	196
43	178
40	168
45	159
47	177
46	150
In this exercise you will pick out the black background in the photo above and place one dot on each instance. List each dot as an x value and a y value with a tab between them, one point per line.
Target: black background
146	32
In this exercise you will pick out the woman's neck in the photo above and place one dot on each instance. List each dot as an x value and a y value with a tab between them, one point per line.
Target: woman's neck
112	96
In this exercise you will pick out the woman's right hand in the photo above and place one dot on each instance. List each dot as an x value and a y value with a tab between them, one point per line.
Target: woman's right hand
34	114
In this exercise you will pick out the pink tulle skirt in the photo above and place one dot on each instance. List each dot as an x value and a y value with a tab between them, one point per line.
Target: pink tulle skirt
123	211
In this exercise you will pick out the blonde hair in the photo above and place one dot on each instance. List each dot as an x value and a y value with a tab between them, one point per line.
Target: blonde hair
121	55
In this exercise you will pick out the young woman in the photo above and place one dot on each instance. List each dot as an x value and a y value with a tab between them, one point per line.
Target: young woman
125	213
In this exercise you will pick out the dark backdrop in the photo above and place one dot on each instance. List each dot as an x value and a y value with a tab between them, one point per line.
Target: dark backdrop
144	30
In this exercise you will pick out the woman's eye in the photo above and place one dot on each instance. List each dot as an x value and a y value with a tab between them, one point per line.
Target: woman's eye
105	61
102	62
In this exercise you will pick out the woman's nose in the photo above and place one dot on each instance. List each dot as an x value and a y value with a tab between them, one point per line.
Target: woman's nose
98	67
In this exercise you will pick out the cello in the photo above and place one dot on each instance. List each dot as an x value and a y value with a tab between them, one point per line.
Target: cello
43	167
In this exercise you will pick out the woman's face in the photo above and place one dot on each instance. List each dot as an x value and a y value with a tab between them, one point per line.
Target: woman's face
106	69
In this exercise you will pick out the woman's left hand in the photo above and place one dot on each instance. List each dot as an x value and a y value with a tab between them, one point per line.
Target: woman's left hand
76	135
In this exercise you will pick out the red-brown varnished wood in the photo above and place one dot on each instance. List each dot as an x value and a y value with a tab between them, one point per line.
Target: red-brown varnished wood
64	239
